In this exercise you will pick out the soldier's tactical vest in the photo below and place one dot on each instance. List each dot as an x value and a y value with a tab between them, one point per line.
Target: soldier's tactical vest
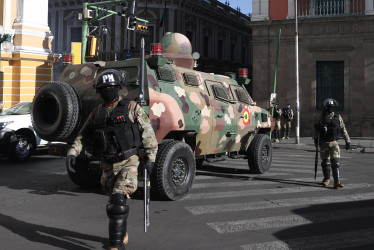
330	128
287	114
276	114
115	136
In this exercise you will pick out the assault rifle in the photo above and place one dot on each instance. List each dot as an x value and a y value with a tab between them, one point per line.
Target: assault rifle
316	159
147	186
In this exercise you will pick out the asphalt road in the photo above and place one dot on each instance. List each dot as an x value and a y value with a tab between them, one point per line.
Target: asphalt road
228	208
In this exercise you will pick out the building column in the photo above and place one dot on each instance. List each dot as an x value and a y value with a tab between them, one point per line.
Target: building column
260	10
32	57
369	7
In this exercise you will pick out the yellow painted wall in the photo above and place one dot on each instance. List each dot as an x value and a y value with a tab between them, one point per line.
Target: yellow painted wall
21	74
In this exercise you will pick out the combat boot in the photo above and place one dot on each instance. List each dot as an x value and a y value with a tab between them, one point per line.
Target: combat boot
336	173
326	172
117	211
338	185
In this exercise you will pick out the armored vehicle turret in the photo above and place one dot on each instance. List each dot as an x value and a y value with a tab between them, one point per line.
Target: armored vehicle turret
196	116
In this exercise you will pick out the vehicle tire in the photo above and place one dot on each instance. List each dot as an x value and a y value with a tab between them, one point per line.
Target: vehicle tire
21	147
87	175
55	111
174	171
260	153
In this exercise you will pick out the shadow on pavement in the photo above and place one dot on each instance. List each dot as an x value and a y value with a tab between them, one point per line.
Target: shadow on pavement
56	237
44	175
349	225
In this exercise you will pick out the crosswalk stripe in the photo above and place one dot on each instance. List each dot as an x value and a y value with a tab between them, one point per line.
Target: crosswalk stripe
332	241
290	220
291	170
201	175
230	194
252	182
210	209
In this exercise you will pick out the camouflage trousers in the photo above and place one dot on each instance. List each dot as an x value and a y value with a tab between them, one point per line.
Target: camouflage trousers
329	150
286	124
277	124
120	177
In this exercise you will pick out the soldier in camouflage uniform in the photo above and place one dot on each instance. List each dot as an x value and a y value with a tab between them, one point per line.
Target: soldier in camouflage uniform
286	119
118	128
277	117
329	126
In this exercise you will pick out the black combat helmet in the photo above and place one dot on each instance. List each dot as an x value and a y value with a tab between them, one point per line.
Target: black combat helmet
329	105
288	106
108	77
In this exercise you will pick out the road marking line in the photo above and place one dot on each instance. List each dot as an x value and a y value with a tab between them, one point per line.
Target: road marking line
331	241
252	182
213	175
210	209
230	194
290	220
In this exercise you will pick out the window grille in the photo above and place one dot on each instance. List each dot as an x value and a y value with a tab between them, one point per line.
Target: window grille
330	83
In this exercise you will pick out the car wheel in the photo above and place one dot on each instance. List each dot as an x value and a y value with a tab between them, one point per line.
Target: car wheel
174	171
259	154
20	147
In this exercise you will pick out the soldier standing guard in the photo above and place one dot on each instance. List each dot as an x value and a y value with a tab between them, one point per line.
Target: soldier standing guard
277	117
118	128
287	116
329	126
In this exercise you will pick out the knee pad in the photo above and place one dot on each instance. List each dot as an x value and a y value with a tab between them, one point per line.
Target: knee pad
325	163
335	163
117	208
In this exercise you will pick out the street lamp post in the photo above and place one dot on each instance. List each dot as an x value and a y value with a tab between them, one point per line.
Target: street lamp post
297	137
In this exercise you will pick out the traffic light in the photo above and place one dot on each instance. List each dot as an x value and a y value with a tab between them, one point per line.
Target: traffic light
142	28
131	23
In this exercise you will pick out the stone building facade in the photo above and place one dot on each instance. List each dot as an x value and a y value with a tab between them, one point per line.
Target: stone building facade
336	58
218	32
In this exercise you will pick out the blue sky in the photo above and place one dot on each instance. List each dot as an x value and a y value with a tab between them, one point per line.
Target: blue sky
245	5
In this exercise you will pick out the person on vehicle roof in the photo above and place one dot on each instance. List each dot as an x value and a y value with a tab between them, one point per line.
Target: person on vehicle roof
118	128
329	126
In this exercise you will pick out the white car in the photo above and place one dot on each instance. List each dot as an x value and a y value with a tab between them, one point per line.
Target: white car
18	139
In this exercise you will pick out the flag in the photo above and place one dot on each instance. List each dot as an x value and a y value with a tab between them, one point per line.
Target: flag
164	16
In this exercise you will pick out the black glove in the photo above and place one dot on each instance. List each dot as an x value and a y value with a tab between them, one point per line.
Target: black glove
70	162
149	166
347	145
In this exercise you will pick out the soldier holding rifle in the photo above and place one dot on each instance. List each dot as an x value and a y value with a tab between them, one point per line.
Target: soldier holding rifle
118	129
327	128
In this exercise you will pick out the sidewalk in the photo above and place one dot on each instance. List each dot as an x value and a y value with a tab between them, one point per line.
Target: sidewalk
358	144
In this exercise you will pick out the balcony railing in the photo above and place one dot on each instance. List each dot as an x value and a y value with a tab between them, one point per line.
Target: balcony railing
322	8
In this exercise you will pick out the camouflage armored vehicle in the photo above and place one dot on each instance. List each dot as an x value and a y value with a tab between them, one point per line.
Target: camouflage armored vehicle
196	116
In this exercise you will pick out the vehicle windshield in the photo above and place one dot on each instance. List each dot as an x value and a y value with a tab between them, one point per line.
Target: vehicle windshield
23	108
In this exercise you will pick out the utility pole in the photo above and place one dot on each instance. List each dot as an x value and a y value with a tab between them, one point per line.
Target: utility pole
297	137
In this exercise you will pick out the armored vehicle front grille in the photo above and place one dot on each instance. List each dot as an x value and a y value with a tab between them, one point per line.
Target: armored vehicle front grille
242	96
190	78
166	74
220	92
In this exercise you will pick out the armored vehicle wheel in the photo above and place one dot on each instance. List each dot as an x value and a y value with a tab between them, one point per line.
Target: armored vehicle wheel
259	154
86	174
55	111
174	171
